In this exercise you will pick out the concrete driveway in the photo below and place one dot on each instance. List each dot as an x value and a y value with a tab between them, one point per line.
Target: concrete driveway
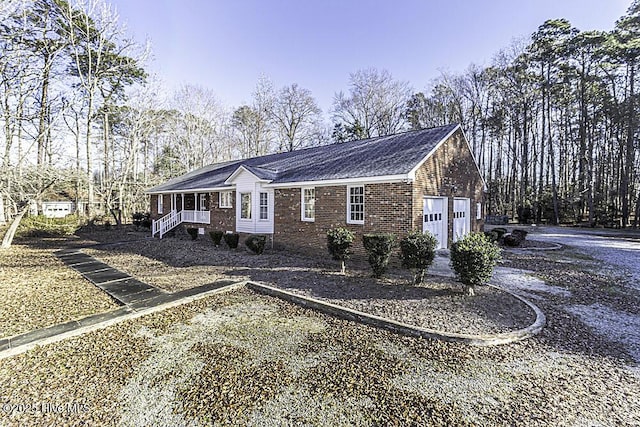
618	250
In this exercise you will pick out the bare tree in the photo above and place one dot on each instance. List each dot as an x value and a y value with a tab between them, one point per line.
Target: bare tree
104	63
296	117
375	105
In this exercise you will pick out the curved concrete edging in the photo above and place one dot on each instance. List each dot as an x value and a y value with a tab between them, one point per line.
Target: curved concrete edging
555	247
403	328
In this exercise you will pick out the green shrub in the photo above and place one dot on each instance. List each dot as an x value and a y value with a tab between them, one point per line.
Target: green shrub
512	240
521	234
256	243
231	239
216	236
338	243
41	226
146	223
141	219
473	259
491	235
500	231
417	251
378	247
193	232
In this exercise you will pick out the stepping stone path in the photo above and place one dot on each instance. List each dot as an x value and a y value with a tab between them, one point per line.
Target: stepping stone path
134	296
119	285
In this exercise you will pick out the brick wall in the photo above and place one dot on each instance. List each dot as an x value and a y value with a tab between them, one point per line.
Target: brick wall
449	172
223	219
166	205
388	209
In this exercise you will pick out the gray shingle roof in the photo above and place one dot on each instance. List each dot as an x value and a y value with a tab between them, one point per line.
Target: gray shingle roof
388	155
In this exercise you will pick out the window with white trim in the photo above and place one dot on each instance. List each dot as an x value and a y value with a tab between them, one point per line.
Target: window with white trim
264	205
355	205
245	205
308	204
478	210
160	203
226	199
203	202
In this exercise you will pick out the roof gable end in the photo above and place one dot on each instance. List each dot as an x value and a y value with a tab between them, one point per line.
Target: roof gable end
260	174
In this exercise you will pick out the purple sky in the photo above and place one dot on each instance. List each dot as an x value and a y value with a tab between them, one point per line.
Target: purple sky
227	45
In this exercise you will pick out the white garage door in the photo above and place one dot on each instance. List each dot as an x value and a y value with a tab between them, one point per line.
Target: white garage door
435	219
461	217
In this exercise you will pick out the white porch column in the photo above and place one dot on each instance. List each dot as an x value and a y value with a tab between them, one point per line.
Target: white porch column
195	202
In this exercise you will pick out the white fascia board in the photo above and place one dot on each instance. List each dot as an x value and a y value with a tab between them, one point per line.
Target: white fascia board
237	172
412	173
343	181
191	190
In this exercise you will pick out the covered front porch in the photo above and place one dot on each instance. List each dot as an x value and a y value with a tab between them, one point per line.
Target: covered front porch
184	208
194	207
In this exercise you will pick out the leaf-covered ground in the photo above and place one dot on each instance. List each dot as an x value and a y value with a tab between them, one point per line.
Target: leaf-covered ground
38	290
245	359
439	303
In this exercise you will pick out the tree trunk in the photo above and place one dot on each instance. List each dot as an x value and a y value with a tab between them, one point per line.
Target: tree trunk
90	190
3	219
630	150
11	231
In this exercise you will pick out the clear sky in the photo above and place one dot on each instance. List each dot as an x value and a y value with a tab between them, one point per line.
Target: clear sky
227	45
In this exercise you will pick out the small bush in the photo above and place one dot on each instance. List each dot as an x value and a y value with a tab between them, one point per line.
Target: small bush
521	234
256	243
216	236
491	235
500	231
141	219
338	243
231	239
512	240
473	259
417	251
193	232
41	226
378	247
525	214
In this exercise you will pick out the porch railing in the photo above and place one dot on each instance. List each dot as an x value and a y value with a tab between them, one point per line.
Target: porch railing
198	217
168	222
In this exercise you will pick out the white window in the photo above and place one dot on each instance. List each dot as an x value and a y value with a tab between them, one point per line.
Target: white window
478	210
159	203
355	205
245	205
308	204
225	199
203	202
264	206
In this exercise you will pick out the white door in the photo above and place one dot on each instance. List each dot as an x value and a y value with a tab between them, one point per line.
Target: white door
434	219
461	217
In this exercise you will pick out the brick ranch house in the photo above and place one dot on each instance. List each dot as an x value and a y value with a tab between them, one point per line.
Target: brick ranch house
417	180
